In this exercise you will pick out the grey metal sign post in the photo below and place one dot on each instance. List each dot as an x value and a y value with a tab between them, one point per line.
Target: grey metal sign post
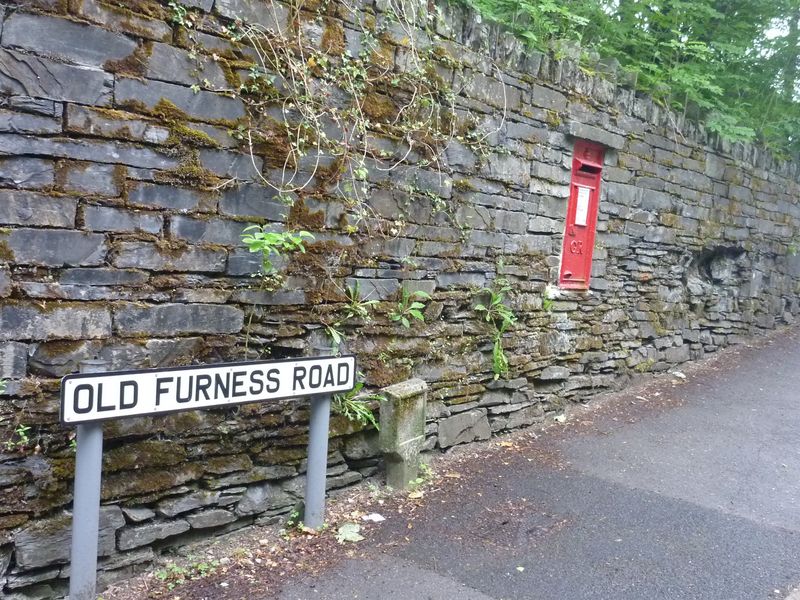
86	505
317	468
93	396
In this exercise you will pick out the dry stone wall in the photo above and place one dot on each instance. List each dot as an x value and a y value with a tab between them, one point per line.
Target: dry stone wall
123	194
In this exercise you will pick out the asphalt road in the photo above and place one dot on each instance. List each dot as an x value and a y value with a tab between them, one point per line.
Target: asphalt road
687	491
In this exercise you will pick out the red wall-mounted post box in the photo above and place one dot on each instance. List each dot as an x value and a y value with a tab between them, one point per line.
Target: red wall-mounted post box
581	226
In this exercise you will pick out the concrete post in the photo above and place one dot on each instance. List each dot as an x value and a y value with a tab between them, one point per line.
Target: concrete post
402	432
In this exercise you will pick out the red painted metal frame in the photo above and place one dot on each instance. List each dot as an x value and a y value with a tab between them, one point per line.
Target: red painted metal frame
579	234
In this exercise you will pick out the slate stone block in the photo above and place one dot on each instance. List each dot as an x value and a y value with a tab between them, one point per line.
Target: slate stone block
75	42
143	255
26	173
554	373
90	178
210	518
124	21
175	319
17	122
102	218
213	231
13	360
28	75
511	222
544	225
38	106
252	200
375	289
175	65
460	157
127	126
89	150
31	208
204	5
595	134
142	535
101	276
202	105
6	284
492	92
166	196
225	163
54	322
243	263
279	298
47	541
172	507
465	427
509	169
270	14
263	497
547	98
55	247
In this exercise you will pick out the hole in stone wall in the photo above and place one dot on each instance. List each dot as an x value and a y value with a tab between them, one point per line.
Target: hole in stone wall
717	265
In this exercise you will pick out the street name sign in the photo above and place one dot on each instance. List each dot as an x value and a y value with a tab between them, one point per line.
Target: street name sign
94	395
101	396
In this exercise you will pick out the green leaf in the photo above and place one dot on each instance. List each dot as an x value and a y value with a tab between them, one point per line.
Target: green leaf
349	532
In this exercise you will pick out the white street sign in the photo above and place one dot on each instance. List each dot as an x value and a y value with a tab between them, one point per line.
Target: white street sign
101	396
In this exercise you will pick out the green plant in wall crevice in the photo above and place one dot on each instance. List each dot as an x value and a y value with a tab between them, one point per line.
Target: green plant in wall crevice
355	405
501	318
409	308
271	245
356	307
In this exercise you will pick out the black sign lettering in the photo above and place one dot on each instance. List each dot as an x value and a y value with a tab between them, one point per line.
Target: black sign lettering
222	387
128	400
203	383
100	406
256	382
328	376
162	388
274	382
343	373
179	396
76	399
238	384
315	377
299	375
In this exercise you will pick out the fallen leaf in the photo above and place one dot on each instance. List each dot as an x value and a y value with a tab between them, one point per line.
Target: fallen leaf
349	532
416	495
453	475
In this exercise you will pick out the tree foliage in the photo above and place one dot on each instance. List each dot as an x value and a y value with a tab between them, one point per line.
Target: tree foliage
734	63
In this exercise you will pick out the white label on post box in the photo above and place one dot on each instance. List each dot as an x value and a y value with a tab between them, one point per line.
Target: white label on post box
582	210
100	396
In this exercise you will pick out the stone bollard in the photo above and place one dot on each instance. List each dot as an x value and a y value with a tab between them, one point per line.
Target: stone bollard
402	432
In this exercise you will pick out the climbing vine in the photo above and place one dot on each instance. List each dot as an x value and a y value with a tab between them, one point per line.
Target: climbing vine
332	120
